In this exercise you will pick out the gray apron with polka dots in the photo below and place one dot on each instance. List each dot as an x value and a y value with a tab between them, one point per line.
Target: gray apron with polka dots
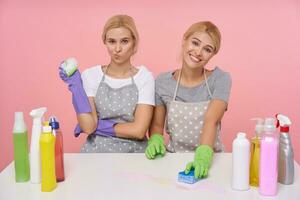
117	104
185	121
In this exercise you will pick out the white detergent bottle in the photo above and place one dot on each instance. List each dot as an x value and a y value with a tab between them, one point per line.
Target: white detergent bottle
35	160
240	162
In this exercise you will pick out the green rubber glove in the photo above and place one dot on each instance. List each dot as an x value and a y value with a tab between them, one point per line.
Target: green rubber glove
155	146
202	161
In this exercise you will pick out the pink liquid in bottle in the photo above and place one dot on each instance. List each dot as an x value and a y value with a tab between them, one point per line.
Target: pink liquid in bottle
268	166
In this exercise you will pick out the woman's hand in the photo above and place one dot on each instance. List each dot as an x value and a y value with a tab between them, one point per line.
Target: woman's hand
104	128
79	98
155	146
202	161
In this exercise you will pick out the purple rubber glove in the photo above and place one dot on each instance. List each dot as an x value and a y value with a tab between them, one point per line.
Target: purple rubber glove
104	128
80	100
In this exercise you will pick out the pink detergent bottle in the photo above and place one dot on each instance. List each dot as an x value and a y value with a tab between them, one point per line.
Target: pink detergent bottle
268	164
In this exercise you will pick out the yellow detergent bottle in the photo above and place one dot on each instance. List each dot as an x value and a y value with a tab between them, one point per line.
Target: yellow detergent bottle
47	148
255	152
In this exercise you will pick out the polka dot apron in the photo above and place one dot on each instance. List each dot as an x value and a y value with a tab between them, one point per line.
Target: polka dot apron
116	104
185	121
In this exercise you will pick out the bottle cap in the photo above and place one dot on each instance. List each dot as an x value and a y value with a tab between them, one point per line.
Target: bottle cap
241	135
19	117
259	126
270	125
47	129
45	123
53	122
19	124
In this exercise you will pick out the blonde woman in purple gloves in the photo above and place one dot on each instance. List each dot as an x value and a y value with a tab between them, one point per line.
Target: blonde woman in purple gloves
114	102
192	101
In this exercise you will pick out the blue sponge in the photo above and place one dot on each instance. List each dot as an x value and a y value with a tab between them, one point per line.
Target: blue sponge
187	178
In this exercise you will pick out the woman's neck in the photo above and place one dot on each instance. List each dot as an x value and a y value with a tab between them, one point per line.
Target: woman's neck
119	70
191	77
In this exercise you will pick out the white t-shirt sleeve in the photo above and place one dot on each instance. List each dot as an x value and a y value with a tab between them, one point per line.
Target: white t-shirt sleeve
91	78
146	86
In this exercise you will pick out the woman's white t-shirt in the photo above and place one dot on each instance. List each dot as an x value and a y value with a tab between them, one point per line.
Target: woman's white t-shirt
143	79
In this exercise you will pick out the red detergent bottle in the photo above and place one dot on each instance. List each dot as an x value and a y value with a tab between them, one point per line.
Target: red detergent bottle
59	150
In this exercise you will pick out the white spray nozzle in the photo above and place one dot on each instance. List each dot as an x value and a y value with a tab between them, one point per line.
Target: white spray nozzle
283	120
37	114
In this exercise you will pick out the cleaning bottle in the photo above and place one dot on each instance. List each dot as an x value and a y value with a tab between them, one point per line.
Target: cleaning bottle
35	161
268	162
47	147
240	162
69	66
255	150
59	149
21	158
286	153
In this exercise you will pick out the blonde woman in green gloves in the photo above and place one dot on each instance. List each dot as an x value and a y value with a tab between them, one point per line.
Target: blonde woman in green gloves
191	101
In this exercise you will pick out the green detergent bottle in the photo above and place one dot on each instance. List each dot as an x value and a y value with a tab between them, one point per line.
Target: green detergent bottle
21	158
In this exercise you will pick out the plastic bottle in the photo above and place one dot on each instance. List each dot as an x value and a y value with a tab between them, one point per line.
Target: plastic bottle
21	158
268	162
59	149
47	146
35	161
255	151
286	153
69	66
240	162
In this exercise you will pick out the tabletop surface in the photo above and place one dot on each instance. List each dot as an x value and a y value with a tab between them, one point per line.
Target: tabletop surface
133	176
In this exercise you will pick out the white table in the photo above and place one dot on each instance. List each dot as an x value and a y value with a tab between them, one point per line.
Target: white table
132	176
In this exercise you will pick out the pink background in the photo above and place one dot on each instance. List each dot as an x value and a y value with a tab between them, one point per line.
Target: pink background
260	48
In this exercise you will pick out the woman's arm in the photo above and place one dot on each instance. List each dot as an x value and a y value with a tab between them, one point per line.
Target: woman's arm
213	116
156	141
204	152
158	120
88	121
139	127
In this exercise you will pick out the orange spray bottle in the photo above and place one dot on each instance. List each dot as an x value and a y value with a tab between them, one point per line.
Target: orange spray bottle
59	149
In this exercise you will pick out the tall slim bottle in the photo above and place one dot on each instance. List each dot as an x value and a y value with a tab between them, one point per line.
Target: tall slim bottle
255	151
268	165
240	162
286	153
59	150
21	158
35	158
47	148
